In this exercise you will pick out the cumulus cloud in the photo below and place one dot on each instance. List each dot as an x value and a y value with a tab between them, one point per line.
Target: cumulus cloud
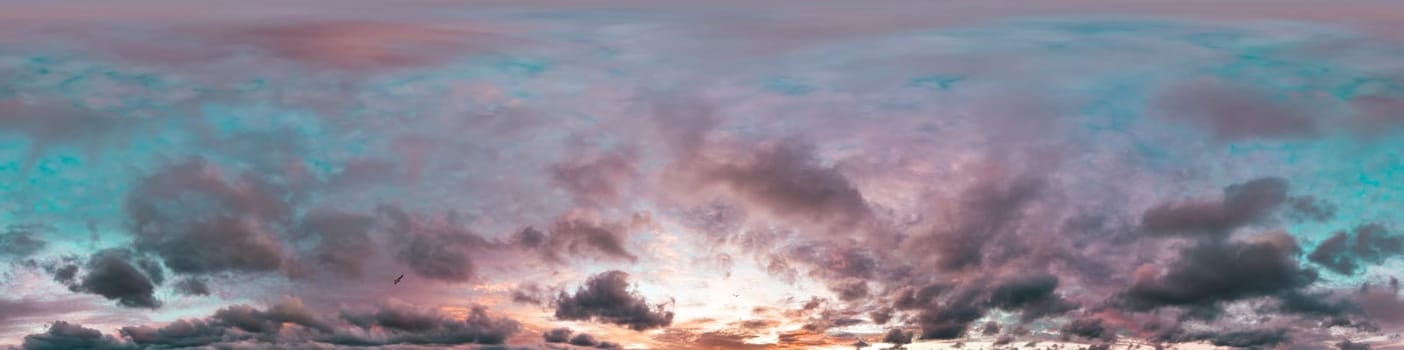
63	335
197	222
115	274
1209	273
606	298
1239	205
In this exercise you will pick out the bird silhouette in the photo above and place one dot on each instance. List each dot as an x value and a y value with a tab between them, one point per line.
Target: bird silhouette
736	295
397	279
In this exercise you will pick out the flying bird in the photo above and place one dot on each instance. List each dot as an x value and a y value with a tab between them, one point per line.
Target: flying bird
736	295
397	279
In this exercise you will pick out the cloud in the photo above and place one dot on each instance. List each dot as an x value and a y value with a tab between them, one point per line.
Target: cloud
407	324
63	335
606	298
198	223
1234	111
111	274
1372	244
787	179
1213	272
20	242
581	234
290	324
192	286
343	241
557	335
1240	204
1088	328
897	336
596	180
436	250
1311	208
989	210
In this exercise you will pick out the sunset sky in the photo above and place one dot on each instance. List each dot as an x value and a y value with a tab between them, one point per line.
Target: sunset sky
631	174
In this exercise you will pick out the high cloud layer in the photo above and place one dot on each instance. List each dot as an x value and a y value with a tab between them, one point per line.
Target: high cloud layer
616	174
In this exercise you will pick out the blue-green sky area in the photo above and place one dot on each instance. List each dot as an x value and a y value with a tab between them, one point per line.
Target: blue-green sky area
701	175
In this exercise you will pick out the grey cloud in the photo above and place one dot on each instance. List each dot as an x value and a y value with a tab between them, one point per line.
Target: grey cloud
1087	328
437	251
557	335
192	286
1372	244
1311	208
20	242
1233	112
606	297
1240	204
111	274
65	336
198	223
1213	272
343	242
597	180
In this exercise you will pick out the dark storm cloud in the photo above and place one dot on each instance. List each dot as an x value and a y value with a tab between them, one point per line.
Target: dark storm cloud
1213	272
111	274
65	336
606	297
343	242
1372	244
1240	205
198	223
1233	111
19	242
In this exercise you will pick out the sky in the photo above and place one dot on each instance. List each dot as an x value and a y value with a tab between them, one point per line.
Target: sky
628	174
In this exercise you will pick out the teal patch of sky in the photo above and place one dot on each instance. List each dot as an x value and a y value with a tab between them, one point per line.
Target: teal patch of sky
525	67
938	81
1366	181
788	85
